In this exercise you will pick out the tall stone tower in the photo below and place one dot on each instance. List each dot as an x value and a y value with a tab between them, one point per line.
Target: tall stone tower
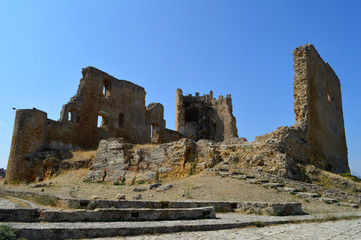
204	117
318	108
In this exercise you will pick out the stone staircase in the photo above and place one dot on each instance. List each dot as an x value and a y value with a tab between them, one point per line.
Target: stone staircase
112	218
271	182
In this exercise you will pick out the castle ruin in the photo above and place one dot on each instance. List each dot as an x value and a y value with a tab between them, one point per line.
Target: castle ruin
318	136
120	105
203	117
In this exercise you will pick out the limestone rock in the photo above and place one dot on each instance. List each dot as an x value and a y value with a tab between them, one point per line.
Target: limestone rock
137	197
137	189
120	196
164	188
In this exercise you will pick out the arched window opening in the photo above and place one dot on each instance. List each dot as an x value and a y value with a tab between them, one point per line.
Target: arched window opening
106	88
121	120
102	121
69	116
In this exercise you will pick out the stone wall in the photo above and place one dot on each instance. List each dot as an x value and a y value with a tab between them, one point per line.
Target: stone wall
204	117
318	136
120	105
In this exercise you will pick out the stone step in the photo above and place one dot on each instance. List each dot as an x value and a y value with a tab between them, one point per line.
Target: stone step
257	181
348	205
307	195
242	177
105	215
79	230
272	185
287	189
327	200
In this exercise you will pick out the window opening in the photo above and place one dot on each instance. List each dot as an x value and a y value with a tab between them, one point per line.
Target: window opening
192	114
106	88
121	120
102	121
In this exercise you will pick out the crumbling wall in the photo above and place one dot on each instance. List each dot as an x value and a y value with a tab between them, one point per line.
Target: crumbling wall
203	117
318	136
119	103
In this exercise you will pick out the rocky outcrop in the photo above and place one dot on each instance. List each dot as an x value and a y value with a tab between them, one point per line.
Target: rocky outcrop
116	160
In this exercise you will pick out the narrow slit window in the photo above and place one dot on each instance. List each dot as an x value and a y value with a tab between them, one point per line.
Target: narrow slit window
106	88
121	120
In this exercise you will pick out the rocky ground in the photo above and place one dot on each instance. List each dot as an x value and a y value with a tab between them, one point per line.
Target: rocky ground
200	186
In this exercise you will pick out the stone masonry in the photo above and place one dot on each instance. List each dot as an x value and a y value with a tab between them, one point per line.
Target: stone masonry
317	137
118	104
203	117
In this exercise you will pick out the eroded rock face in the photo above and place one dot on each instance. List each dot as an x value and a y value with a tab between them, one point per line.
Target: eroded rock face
116	160
119	161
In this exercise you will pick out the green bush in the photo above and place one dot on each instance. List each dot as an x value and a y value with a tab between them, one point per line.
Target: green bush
259	224
7	233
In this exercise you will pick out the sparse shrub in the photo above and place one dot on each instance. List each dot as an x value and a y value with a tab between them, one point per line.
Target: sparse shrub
259	224
7	233
164	204
157	177
116	183
133	182
88	181
193	168
45	200
188	192
276	214
349	176
141	182
71	193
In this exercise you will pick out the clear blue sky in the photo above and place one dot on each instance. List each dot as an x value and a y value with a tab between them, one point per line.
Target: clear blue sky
242	48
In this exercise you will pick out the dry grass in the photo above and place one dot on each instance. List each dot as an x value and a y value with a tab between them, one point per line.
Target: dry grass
81	155
148	146
334	181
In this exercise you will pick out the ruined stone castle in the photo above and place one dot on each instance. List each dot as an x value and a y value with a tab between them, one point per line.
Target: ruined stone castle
318	134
